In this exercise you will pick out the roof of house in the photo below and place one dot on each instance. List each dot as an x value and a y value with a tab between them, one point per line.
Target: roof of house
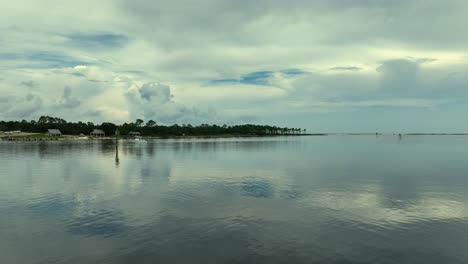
97	131
134	133
54	131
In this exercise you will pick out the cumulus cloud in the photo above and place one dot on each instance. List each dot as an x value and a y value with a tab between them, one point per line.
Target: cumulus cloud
155	92
155	101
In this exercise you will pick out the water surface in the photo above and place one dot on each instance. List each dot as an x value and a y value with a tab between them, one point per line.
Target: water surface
334	199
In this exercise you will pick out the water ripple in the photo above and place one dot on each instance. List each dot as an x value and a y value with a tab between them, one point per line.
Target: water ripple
103	222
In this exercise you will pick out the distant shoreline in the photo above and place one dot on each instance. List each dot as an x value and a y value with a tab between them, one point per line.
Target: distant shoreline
398	134
44	137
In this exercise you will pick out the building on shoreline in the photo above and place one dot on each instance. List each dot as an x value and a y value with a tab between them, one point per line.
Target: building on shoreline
133	133
98	133
54	132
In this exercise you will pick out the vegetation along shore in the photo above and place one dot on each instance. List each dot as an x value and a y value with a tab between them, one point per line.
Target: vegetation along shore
40	129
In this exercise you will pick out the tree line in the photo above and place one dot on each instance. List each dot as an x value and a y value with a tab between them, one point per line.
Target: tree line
150	128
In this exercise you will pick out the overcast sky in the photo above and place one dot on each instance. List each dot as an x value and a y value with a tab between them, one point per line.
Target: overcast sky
328	66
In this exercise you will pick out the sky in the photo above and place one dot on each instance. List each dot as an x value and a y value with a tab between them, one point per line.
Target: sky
327	66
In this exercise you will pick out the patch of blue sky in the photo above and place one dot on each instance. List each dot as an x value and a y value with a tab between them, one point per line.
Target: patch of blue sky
258	77
43	59
54	60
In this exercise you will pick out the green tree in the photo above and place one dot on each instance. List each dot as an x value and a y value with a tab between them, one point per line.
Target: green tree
108	128
42	119
151	123
139	122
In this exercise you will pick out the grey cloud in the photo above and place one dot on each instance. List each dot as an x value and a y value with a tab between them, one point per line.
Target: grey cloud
398	67
5	99
94	113
9	56
29	84
136	72
236	22
20	107
43	59
5	104
399	74
396	22
96	81
399	82
241	119
345	68
67	100
423	60
97	40
67	91
155	91
78	74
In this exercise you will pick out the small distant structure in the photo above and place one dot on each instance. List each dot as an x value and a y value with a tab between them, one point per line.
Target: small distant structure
98	133
54	132
13	132
134	133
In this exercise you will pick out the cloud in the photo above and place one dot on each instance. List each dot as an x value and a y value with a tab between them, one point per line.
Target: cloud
345	68
20	107
29	84
424	60
96	40
67	100
42	59
400	75
156	92
155	101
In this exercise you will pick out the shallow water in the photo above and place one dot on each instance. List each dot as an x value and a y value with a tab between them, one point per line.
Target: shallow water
334	199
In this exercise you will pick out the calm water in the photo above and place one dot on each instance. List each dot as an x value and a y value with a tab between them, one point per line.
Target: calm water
335	199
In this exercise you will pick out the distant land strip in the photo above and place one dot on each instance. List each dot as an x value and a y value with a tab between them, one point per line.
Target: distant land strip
55	126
